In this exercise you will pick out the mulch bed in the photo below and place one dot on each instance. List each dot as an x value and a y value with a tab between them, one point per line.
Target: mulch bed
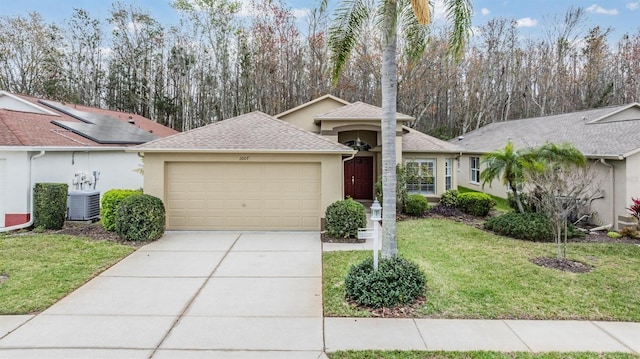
407	311
562	264
94	231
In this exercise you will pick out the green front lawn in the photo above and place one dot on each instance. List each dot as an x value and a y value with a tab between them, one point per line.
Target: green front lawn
475	274
38	270
376	354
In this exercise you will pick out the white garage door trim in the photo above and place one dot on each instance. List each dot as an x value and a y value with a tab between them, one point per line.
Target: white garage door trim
242	195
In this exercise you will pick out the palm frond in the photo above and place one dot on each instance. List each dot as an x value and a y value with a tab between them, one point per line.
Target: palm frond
349	18
422	11
459	13
414	32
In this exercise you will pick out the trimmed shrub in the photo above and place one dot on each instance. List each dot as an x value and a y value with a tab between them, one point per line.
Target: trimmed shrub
449	198
344	217
475	203
528	226
614	235
50	205
109	205
140	217
396	282
416	205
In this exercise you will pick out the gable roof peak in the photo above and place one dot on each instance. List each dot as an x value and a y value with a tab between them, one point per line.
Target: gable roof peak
11	102
314	101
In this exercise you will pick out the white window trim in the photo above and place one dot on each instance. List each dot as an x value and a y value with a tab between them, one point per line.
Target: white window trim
434	163
474	169
448	165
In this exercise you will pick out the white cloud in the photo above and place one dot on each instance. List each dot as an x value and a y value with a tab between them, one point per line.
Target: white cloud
300	14
600	10
633	5
484	11
526	22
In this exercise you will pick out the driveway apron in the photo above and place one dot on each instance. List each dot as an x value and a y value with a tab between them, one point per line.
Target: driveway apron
190	294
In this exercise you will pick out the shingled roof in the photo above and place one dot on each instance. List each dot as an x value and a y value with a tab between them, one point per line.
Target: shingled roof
32	126
605	132
415	141
359	111
255	131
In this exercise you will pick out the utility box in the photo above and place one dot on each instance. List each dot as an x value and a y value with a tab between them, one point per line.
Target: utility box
83	205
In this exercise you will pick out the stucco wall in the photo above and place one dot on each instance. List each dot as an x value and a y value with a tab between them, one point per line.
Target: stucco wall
116	168
303	117
331	169
16	193
495	188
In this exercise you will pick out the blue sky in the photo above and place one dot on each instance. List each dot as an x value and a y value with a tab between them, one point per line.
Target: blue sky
532	16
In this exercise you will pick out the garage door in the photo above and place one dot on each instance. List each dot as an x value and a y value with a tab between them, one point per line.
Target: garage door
243	196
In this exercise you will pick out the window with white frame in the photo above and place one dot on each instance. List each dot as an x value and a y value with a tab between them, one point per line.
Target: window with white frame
421	176
448	179
474	170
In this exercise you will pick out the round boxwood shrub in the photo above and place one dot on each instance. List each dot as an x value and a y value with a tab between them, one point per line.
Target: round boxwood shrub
528	226
109	205
344	217
475	203
396	282
140	217
449	198
416	205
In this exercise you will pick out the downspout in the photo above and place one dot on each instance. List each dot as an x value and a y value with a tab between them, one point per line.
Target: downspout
28	224
613	192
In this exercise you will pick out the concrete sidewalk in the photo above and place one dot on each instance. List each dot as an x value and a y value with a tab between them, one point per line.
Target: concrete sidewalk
257	295
491	335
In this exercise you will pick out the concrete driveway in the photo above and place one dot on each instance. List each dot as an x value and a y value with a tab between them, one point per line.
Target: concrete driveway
190	295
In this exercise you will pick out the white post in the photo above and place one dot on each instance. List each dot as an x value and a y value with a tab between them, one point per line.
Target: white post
376	216
376	244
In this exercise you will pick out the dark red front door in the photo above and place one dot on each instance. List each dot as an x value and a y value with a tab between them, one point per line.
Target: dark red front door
358	178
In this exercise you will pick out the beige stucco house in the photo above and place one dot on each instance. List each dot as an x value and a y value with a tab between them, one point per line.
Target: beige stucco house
609	137
261	172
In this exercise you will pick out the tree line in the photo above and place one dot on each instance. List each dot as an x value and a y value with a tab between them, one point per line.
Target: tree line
219	62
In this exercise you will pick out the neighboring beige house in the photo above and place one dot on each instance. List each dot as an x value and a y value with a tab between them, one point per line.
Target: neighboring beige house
259	172
608	136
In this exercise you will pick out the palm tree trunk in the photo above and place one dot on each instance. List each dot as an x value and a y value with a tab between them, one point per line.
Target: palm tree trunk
389	93
516	196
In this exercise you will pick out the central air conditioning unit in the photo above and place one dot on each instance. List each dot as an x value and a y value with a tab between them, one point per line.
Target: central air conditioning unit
83	205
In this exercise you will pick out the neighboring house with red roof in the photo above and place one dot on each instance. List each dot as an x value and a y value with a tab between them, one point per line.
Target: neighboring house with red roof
261	172
47	141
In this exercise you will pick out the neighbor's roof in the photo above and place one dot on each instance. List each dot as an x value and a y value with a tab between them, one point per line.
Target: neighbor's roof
605	132
358	111
416	141
251	132
32	125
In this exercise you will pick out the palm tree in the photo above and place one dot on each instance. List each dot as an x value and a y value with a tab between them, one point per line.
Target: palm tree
392	16
509	165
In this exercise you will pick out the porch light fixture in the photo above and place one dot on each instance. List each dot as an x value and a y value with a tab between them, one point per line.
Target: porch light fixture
376	216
